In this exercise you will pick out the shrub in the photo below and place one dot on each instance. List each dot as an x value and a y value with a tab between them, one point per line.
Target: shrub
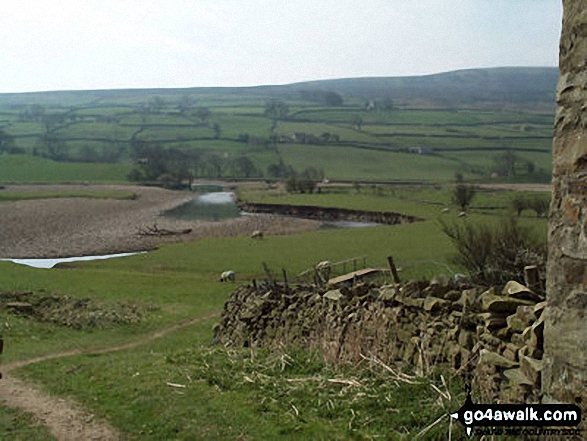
463	195
520	203
540	205
495	254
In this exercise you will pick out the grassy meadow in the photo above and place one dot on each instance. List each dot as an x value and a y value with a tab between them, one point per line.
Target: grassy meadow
25	169
179	282
231	393
12	196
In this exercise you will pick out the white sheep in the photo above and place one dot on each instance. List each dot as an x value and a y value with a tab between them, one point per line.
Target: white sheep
324	265
228	276
257	234
323	270
462	279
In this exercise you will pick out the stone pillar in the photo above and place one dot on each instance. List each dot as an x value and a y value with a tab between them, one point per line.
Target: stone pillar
565	336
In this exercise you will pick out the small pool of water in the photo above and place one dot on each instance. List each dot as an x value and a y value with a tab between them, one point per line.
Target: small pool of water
213	206
214	203
346	224
50	263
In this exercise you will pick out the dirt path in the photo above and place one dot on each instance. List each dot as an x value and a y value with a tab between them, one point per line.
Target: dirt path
65	419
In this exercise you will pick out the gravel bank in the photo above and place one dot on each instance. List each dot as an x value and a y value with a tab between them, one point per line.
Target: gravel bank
66	227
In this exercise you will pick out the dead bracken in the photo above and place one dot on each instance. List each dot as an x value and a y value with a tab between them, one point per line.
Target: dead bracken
75	313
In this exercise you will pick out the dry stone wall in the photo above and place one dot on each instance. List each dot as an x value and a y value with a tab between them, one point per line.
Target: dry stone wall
493	336
565	360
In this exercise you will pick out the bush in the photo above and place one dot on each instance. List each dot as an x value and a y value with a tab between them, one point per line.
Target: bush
294	185
520	203
463	195
495	254
540	204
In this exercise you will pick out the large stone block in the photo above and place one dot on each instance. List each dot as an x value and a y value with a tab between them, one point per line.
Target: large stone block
494	359
519	291
502	304
531	368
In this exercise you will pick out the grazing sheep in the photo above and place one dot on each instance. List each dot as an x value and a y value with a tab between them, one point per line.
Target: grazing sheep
462	279
446	210
227	276
323	270
257	234
462	214
323	265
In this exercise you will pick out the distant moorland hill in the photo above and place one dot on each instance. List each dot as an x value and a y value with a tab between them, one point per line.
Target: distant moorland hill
463	87
517	86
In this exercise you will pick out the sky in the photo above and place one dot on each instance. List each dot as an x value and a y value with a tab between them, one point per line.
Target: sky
110	44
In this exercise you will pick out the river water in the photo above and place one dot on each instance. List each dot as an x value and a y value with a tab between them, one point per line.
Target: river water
208	206
50	263
216	204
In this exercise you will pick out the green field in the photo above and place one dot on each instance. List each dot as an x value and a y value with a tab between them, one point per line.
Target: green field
11	196
19	426
178	283
466	133
346	163
30	169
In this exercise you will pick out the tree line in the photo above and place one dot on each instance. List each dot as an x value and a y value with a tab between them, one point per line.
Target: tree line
176	168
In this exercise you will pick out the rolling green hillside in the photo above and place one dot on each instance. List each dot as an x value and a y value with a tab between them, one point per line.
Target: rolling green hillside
481	123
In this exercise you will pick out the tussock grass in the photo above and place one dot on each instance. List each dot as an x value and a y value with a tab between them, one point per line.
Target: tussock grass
80	314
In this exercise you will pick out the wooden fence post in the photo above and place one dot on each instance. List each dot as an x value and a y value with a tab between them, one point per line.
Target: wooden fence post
532	277
269	275
393	269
